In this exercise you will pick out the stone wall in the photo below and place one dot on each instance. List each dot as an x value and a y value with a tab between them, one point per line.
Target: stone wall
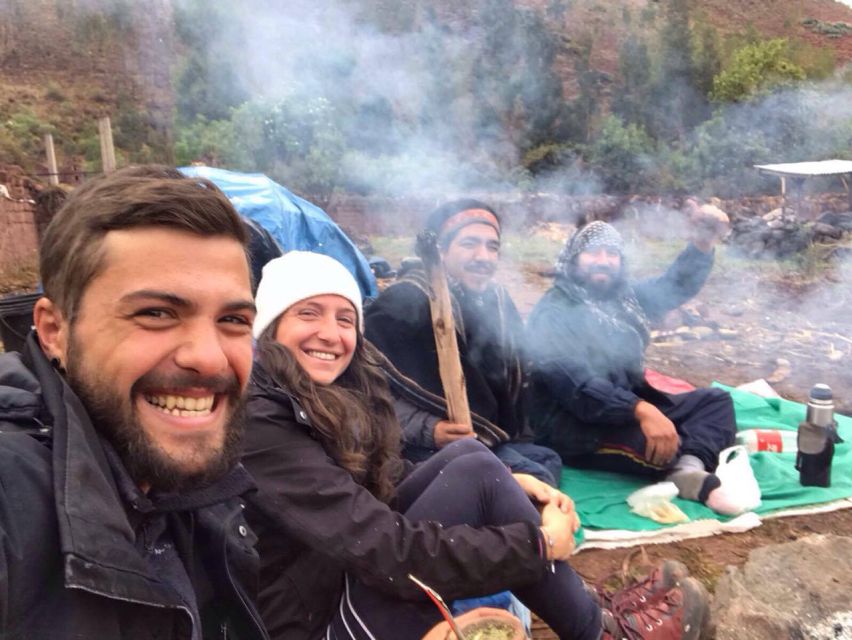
18	241
18	244
360	215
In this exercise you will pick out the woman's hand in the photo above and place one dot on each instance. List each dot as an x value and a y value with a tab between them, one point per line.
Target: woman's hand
543	493
559	528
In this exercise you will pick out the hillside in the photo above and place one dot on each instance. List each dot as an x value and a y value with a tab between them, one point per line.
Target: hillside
785	20
66	63
604	25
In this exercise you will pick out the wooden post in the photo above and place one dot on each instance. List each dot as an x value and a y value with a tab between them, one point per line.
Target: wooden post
798	188
107	148
53	177
444	328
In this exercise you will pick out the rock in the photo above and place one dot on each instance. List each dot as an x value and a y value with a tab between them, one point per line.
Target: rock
703	332
728	334
827	231
687	333
841	220
794	590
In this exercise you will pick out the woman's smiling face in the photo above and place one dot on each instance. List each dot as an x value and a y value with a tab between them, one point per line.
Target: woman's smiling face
321	332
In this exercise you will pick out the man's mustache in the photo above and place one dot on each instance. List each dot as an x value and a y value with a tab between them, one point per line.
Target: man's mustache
602	268
481	268
224	384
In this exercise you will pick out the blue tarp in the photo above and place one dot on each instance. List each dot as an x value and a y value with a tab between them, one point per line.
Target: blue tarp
294	222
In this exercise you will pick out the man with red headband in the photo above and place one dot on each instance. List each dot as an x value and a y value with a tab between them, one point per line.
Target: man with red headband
488	329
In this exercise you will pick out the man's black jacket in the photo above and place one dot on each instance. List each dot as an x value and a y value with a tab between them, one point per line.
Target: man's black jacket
488	329
71	563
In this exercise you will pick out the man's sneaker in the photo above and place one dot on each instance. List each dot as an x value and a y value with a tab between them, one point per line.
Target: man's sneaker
679	613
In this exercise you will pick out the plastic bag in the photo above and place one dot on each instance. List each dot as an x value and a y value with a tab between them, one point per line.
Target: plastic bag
655	502
739	491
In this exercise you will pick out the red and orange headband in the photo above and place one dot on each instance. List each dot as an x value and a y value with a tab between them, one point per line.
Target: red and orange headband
461	219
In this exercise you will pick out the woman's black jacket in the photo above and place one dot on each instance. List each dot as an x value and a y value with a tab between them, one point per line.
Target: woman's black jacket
314	522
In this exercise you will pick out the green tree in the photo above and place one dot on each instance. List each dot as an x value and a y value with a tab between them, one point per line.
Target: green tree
296	140
707	57
620	154
211	142
518	94
208	83
756	69
630	97
590	83
676	105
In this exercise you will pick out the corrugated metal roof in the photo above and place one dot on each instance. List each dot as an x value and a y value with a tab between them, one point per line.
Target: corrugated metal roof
805	169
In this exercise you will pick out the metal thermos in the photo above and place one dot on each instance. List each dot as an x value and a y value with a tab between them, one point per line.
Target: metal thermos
816	438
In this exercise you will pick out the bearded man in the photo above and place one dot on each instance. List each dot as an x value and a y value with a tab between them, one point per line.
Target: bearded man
488	331
120	423
590	400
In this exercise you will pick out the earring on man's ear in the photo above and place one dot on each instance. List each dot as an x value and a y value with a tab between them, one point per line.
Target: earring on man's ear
56	363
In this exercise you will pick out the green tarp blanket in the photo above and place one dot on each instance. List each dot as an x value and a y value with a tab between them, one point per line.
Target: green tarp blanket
601	497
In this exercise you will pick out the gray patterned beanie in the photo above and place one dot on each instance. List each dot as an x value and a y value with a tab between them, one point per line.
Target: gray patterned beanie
592	236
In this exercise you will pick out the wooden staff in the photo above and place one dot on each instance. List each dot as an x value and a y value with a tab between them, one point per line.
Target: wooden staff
444	328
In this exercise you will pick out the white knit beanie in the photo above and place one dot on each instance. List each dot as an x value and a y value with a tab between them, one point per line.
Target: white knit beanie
298	275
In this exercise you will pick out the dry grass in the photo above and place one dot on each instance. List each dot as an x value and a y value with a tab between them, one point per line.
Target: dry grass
21	277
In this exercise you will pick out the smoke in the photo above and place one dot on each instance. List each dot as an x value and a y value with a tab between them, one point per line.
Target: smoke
424	103
444	99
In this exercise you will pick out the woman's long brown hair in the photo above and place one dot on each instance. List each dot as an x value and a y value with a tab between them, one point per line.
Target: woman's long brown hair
353	416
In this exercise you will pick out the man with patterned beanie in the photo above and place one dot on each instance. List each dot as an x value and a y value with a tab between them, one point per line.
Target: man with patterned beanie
590	400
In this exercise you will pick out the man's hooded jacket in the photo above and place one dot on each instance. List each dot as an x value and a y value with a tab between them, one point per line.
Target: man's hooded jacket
85	554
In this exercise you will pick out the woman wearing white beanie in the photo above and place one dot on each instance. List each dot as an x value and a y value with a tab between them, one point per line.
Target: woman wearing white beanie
341	522
305	289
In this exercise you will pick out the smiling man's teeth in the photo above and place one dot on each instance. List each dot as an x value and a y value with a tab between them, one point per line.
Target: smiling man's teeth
322	355
184	406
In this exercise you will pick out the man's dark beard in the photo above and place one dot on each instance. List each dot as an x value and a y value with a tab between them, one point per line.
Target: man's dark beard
599	290
147	464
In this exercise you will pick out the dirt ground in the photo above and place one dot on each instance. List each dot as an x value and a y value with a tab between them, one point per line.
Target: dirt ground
705	557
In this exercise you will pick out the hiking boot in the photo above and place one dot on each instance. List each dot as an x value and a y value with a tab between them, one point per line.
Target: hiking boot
679	613
663	578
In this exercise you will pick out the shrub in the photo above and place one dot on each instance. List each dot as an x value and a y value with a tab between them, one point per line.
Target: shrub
756	69
621	155
54	93
22	136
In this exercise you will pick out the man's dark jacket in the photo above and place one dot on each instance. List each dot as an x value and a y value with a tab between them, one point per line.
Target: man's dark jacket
71	563
315	523
489	331
587	377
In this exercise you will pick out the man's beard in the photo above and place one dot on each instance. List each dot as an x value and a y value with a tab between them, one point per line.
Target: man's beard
115	418
601	290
